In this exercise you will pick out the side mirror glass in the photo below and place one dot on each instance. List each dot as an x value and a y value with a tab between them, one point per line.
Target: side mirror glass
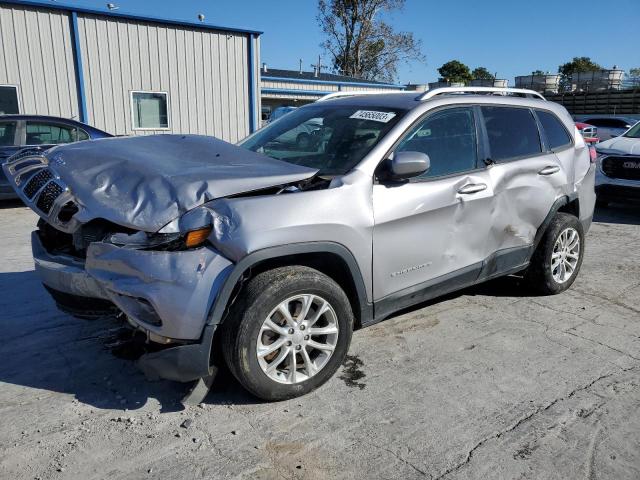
406	165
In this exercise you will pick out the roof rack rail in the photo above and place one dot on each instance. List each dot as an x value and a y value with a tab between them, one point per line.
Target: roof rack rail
482	90
351	93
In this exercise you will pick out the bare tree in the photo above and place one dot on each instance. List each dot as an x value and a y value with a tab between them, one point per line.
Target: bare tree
360	43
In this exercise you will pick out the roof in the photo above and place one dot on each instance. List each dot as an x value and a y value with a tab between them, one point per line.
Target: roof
49	118
410	100
126	16
331	78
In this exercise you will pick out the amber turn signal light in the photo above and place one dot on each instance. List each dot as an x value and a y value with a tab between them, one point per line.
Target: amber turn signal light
195	238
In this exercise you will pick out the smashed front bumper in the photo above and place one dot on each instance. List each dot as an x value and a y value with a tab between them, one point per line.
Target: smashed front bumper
167	294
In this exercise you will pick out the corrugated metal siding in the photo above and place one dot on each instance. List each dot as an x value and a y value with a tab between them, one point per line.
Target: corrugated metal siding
36	54
205	74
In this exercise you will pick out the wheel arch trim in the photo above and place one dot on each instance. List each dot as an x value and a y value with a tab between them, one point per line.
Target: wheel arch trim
555	208
221	303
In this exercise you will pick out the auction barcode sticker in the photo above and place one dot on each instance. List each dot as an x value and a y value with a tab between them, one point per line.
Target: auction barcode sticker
383	117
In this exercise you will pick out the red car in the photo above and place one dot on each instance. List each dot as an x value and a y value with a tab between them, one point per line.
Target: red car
589	132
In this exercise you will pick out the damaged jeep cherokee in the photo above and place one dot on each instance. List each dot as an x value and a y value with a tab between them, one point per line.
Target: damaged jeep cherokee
269	253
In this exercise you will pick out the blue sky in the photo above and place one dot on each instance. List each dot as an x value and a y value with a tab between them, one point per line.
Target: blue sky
499	34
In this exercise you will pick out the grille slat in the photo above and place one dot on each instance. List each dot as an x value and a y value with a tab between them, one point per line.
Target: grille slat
626	168
48	196
36	183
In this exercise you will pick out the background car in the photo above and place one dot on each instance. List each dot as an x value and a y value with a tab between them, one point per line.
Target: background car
20	131
279	112
609	126
618	173
588	132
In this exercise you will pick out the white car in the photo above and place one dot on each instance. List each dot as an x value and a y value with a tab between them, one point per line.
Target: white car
618	173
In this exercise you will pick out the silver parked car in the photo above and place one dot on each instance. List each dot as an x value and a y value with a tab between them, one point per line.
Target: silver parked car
618	173
273	255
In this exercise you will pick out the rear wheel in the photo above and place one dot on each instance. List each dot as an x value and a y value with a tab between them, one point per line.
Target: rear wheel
287	333
558	258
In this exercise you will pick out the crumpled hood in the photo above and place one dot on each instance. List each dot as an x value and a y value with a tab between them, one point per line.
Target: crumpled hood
630	146
145	182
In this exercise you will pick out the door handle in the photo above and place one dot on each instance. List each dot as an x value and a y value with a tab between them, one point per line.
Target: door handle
550	170
470	188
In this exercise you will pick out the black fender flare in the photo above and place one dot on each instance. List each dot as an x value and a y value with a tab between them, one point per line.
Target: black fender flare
557	205
216	314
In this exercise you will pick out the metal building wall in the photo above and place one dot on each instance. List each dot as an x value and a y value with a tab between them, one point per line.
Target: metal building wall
36	47
205	73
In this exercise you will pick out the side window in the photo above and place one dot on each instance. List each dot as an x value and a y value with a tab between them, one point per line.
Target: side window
620	124
49	133
557	136
449	138
512	133
82	135
596	123
7	134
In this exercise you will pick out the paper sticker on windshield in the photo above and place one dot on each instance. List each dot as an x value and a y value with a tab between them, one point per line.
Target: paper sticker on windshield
383	117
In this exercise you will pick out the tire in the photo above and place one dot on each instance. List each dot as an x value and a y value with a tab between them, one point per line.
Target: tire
601	203
540	275
245	332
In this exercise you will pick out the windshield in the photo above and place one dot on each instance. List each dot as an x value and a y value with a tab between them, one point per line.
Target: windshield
634	132
331	138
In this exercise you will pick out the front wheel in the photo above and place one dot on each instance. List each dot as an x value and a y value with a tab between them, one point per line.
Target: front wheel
557	260
287	333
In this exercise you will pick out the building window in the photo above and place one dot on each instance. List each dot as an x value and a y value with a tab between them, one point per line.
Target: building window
9	100
149	110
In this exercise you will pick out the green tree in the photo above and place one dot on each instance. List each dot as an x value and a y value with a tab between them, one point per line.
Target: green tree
538	72
634	72
361	44
577	65
482	73
455	71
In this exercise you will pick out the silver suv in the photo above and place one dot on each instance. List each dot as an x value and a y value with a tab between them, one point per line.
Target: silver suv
268	254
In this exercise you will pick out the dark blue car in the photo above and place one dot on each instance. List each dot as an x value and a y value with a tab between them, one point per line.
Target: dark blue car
20	131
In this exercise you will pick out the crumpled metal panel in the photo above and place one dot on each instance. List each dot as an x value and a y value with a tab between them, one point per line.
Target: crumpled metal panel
180	286
145	182
340	214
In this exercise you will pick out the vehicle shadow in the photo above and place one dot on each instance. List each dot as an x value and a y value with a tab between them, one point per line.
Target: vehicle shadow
510	286
621	213
45	349
6	204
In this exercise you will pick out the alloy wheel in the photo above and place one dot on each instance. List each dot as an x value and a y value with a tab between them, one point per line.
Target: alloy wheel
565	255
297	338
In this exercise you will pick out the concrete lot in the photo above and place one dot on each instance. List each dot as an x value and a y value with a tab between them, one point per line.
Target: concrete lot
490	383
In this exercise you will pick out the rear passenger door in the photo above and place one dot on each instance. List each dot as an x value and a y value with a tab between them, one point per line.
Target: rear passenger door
526	178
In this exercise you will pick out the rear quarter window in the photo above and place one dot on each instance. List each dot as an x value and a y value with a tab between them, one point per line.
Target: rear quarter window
555	133
512	132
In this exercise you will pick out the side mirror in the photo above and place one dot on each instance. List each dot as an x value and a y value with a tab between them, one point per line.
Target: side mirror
408	164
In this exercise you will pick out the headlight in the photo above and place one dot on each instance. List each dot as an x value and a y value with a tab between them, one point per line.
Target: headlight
162	241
